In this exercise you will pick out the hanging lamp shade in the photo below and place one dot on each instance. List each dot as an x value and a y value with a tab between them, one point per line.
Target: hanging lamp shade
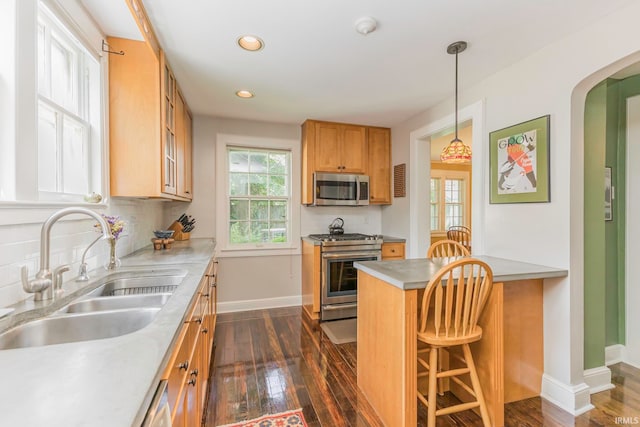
456	151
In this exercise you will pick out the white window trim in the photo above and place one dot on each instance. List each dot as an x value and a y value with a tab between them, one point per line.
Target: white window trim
22	195
224	141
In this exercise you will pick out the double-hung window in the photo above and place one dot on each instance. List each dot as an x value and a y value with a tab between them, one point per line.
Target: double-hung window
69	112
258	197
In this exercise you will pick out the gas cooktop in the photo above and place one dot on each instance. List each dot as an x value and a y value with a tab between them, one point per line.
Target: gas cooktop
342	237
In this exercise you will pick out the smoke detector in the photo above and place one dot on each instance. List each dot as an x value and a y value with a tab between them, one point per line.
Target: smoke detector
366	25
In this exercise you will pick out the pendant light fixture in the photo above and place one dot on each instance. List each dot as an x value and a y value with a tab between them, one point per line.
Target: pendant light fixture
457	151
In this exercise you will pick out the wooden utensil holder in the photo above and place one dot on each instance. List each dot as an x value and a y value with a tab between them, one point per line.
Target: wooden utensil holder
179	234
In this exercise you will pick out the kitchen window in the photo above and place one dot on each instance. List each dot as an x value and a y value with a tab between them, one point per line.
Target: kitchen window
69	112
450	199
261	195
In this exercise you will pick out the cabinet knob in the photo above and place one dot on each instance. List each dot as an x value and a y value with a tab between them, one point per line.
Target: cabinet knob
393	251
194	372
198	320
205	295
205	330
184	365
192	382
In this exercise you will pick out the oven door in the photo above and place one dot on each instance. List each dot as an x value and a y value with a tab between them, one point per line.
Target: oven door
340	277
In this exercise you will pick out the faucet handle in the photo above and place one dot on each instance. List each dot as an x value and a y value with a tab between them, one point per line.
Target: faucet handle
38	285
57	276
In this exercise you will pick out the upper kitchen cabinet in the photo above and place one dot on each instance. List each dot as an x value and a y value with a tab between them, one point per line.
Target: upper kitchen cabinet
379	165
339	148
346	148
149	125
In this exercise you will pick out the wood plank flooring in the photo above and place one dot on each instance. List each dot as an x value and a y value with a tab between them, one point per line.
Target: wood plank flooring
269	361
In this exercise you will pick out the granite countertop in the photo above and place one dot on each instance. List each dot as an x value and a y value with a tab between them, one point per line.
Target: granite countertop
415	273
108	382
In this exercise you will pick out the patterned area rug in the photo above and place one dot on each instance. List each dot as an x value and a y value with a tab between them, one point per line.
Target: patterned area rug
284	419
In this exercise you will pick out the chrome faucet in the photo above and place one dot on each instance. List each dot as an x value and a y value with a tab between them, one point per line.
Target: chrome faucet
42	284
83	276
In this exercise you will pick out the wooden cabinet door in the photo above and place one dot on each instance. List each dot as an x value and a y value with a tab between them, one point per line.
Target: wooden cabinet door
183	148
169	151
379	165
327	147
393	250
353	149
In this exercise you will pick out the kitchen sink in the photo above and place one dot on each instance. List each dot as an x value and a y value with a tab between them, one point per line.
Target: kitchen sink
117	302
77	327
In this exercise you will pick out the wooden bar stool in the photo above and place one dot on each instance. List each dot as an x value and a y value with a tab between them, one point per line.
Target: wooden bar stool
447	248
451	306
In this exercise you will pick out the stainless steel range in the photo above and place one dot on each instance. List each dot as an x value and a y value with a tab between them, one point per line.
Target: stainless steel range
339	279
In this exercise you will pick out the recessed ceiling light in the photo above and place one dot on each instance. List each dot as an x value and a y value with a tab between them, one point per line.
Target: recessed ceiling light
251	43
244	94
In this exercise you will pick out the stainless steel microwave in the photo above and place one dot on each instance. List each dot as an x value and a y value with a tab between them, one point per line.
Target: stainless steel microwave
337	189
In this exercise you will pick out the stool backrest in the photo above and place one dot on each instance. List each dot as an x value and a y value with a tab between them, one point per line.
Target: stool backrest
460	234
454	298
446	248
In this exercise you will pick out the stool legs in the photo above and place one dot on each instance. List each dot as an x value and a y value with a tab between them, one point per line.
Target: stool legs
484	413
433	385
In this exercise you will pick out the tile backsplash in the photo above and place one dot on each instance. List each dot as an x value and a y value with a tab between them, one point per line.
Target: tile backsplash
20	244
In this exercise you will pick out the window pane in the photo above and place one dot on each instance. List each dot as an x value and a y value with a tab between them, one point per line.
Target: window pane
277	163
238	184
62	76
74	158
259	231
239	209
435	219
435	190
278	210
258	162
277	185
238	232
238	161
47	149
259	209
278	232
257	185
42	76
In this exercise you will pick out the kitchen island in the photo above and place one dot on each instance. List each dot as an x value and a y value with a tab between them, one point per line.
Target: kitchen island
105	382
509	358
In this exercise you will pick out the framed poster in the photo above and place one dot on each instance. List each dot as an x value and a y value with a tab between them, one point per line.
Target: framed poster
519	163
608	195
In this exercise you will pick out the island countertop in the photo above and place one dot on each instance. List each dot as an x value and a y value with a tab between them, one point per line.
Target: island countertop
415	273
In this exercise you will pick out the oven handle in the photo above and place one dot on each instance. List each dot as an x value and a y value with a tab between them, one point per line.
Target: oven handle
331	307
349	255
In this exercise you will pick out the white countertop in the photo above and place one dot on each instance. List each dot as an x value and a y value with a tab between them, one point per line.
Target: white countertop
108	382
416	273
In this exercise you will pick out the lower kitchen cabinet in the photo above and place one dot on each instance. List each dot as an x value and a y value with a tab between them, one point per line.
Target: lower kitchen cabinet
393	250
188	370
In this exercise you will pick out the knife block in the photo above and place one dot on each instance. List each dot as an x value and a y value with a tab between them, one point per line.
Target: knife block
179	234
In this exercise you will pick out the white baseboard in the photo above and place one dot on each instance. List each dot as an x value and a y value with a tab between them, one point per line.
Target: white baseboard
613	354
598	379
258	304
574	399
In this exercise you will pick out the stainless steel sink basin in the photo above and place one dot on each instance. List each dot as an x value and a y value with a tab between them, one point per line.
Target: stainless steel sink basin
136	283
119	302
77	327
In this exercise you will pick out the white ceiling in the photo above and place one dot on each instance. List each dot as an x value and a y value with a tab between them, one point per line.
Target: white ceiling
315	65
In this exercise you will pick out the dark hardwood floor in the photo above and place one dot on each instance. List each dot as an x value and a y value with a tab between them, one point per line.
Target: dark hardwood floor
269	361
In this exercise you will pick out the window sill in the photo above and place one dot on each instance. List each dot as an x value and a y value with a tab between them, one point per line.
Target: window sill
258	252
23	212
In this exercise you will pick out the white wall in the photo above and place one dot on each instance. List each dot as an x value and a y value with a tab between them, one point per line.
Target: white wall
552	81
20	244
266	281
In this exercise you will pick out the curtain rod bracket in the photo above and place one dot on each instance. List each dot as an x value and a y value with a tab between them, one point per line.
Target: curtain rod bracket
105	48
